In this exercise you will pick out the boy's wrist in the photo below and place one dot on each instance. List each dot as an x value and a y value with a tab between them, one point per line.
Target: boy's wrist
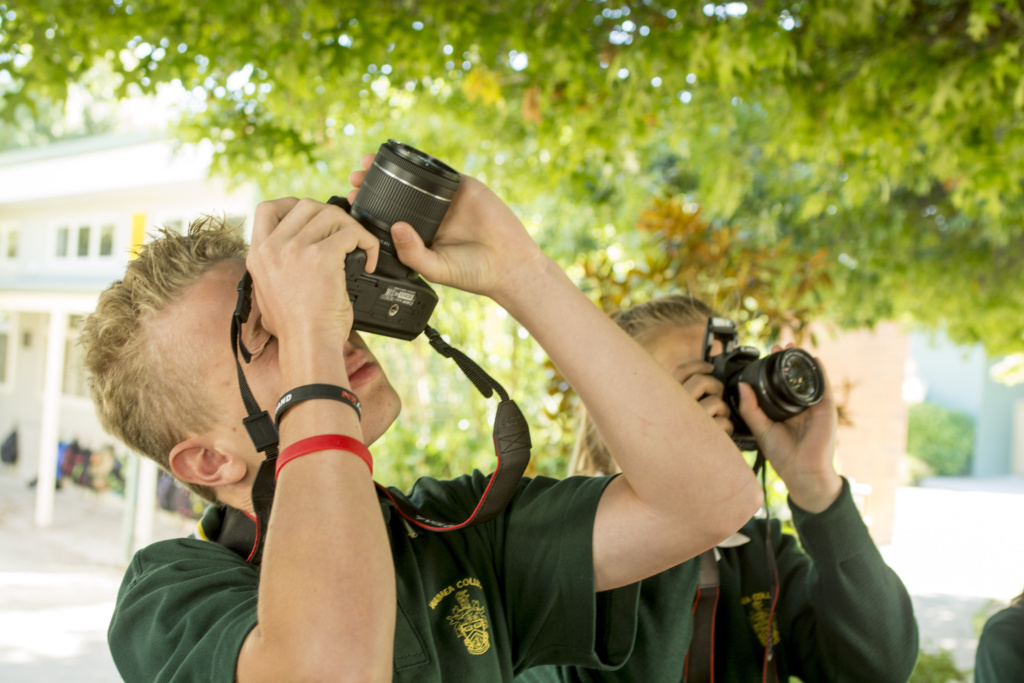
313	362
531	280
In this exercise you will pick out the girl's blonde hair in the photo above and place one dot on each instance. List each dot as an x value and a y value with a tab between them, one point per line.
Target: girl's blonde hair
590	455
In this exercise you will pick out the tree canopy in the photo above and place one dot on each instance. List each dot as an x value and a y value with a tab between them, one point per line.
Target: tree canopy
888	132
868	149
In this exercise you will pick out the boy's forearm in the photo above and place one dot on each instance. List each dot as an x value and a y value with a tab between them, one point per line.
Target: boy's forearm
327	587
674	457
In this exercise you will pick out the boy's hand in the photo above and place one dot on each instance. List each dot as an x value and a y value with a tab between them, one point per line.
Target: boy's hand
297	262
480	247
801	449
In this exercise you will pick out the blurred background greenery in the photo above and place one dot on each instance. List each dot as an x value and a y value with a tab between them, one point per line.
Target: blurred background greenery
841	162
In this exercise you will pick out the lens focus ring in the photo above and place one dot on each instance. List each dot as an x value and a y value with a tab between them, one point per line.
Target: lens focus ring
404	184
389	200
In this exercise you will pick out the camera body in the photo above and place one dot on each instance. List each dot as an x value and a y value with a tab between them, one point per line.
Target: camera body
402	184
786	383
383	303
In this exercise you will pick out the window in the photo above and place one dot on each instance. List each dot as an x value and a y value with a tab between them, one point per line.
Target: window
62	242
74	366
12	244
107	240
87	241
83	240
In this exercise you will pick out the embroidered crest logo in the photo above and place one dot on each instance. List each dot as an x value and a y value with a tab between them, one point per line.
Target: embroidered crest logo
470	623
758	605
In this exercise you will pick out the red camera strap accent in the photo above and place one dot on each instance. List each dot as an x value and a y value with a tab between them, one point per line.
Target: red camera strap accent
512	449
245	534
511	446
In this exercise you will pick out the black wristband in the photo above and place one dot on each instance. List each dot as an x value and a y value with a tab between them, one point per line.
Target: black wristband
309	392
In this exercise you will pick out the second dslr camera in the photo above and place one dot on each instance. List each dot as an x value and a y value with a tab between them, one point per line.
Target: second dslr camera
786	383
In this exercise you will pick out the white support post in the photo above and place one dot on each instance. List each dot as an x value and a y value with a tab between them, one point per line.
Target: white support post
145	510
48	437
131	504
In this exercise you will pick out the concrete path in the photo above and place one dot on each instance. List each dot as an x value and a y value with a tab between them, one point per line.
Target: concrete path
57	585
957	545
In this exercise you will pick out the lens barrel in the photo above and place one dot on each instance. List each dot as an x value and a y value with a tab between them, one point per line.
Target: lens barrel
404	184
786	382
796	373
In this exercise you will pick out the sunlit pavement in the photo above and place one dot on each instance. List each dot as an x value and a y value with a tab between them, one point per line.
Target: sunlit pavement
57	585
957	551
960	551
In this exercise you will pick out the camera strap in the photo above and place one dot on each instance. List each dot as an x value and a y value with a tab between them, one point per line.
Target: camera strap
245	534
511	448
699	665
769	674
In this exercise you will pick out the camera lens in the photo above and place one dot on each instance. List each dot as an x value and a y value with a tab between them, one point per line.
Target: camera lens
404	184
800	375
795	377
786	383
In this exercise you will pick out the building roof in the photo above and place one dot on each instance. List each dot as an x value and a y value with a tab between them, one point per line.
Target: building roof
99	164
75	146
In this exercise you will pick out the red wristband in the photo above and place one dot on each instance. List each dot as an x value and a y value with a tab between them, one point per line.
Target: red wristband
325	442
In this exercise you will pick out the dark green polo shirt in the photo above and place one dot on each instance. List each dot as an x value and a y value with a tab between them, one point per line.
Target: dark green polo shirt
481	604
842	613
1000	655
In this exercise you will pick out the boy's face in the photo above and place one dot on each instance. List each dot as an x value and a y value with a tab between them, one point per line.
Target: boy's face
201	322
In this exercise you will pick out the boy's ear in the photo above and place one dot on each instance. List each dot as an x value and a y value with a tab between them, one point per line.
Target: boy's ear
194	461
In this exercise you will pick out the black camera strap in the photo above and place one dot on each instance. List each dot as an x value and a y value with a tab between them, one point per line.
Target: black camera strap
699	666
511	447
768	670
245	534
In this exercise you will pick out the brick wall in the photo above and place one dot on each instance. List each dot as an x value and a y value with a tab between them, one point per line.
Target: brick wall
866	369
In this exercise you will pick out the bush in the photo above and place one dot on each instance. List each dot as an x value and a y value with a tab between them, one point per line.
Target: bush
941	438
937	667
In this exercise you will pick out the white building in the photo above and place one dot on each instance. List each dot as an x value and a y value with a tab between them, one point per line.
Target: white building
71	214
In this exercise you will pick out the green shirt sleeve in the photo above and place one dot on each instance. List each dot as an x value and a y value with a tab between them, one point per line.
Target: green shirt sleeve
541	553
843	615
1000	654
847	614
549	576
183	611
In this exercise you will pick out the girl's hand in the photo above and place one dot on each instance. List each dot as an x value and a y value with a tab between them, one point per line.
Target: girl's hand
801	449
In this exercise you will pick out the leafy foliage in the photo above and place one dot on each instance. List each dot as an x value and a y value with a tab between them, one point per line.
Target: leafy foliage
851	161
942	438
1010	370
938	667
770	291
887	132
898	93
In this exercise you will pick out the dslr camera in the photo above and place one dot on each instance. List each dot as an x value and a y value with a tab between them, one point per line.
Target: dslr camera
786	383
402	184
